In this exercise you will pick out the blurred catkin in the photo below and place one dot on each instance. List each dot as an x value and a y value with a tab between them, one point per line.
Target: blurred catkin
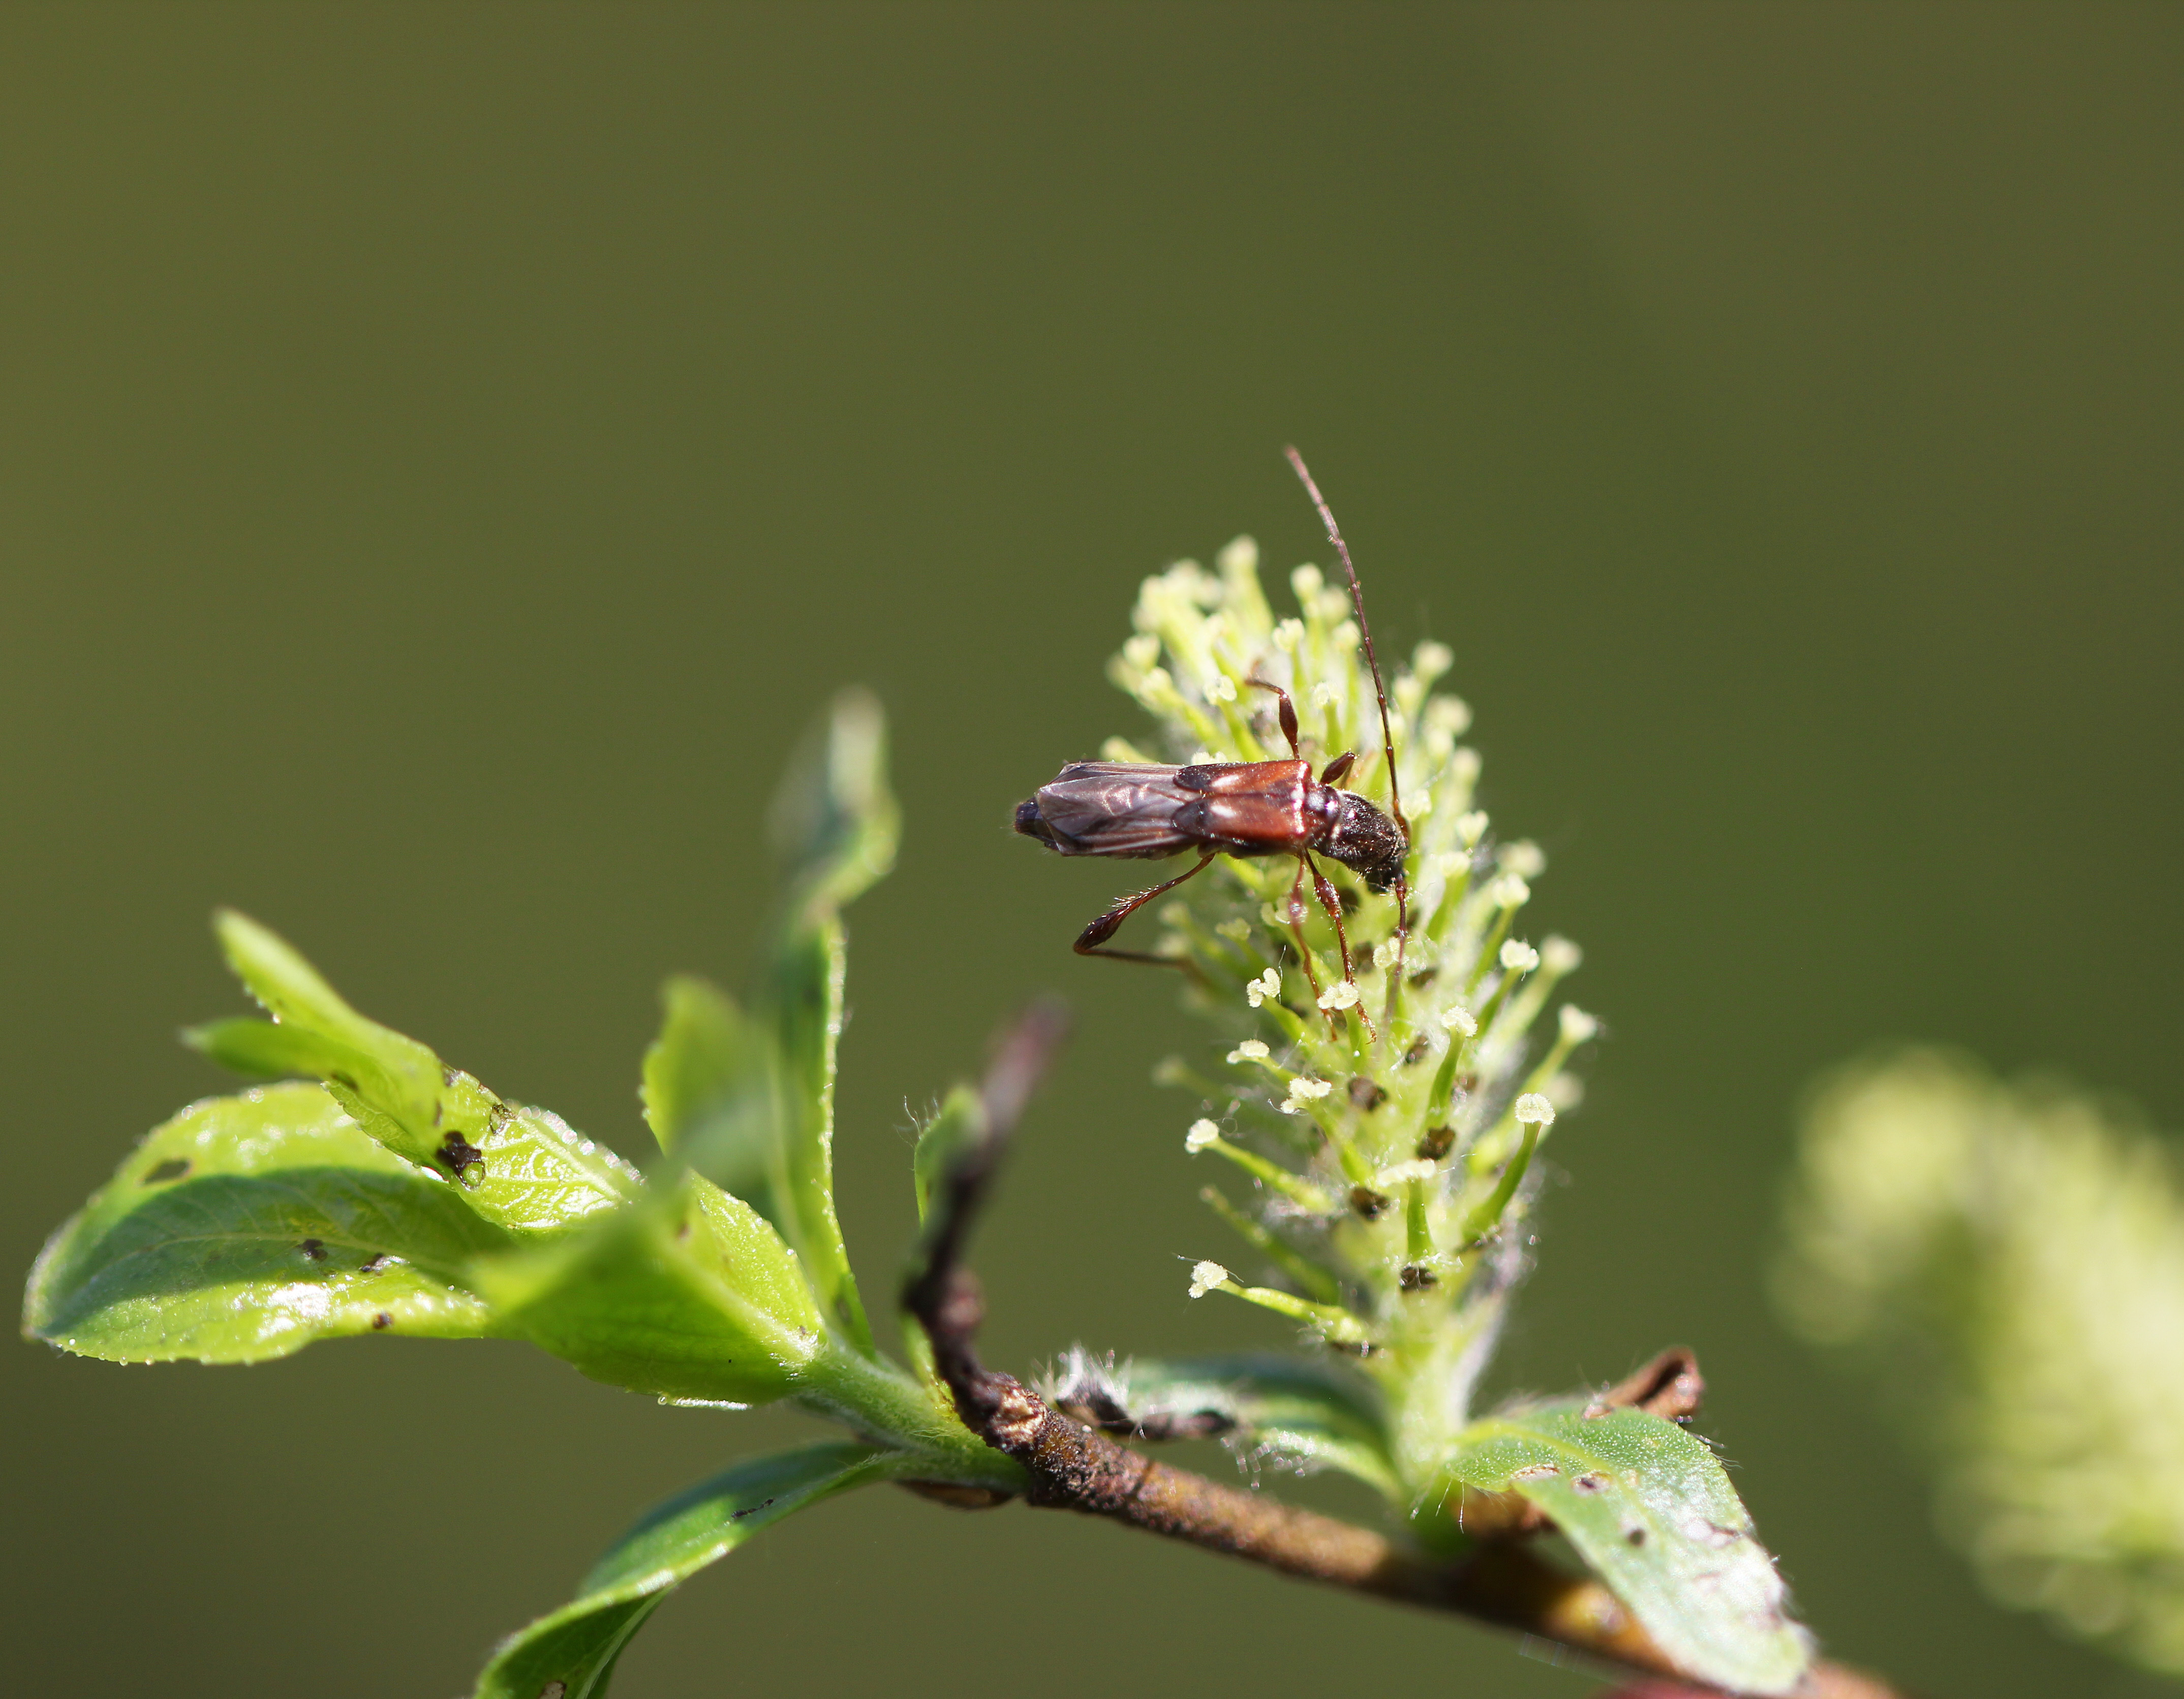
2008	1258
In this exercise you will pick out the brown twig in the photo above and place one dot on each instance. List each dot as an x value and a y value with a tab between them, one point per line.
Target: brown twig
1073	1466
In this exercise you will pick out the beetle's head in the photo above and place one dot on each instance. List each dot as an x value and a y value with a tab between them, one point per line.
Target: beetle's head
1369	843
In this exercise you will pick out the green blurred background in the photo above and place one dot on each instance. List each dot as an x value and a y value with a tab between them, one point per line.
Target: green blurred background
446	453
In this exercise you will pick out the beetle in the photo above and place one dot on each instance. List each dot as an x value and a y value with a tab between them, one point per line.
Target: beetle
1141	809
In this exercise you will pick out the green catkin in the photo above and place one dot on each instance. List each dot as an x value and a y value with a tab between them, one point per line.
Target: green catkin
1386	1281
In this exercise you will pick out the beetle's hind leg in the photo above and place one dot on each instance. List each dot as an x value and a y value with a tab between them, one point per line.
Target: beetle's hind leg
1093	936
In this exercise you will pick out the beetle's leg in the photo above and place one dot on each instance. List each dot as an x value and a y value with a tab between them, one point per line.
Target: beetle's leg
1285	710
1089	940
1328	902
1304	950
1339	768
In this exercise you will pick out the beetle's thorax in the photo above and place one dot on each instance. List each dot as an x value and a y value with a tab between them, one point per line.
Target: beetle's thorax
1346	828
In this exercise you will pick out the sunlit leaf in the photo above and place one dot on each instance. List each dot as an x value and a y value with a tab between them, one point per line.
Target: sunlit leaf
749	1100
706	1058
571	1654
247	1227
836	825
519	1168
690	1295
1650	1509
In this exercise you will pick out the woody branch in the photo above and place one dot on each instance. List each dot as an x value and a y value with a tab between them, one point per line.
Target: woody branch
1073	1467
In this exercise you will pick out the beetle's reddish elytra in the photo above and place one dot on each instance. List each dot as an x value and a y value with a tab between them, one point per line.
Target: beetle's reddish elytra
1139	809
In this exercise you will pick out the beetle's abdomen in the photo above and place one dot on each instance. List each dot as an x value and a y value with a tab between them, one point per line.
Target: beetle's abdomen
1134	809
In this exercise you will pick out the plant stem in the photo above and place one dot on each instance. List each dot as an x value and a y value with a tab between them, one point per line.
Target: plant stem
1067	1466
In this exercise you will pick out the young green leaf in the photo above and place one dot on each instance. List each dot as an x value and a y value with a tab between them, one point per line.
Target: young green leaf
835	825
247	1227
805	1005
1287	1410
521	1168
571	1653
748	1101
706	1058
691	1296
1650	1509
960	1124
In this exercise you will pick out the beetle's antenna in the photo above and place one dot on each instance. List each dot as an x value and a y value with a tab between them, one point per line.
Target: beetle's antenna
1357	601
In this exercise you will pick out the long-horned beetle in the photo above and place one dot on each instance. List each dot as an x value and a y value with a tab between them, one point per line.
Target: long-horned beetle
1139	809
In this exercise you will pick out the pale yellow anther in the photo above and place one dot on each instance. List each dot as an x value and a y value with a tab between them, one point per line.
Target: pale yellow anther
1206	1276
1509	892
1250	1050
1451	716
1269	984
1460	1020
1471	827
1202	1133
1533	1110
1342	994
1322	694
1576	1025
1560	955
1222	689
1524	857
1519	959
1287	635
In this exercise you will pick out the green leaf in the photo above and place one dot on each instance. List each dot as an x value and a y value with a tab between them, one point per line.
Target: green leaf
835	823
1288	1411
521	1168
691	1296
1649	1508
705	1062
571	1653
748	1101
960	1124
805	1005
247	1227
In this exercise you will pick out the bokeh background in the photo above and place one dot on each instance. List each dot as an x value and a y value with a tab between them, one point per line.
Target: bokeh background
446	453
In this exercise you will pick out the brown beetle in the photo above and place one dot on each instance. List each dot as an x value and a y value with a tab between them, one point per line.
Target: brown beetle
1137	809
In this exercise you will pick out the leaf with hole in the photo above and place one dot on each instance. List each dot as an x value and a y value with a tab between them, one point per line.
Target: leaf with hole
519	1168
247	1227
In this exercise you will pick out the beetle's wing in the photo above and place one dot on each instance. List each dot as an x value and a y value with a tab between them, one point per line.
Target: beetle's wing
1115	807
